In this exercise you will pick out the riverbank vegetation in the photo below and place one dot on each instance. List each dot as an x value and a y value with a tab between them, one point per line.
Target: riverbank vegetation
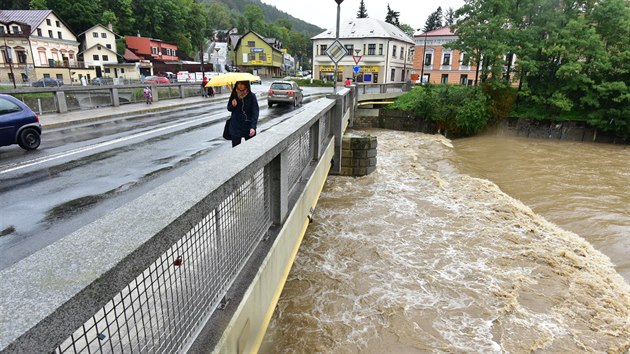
548	60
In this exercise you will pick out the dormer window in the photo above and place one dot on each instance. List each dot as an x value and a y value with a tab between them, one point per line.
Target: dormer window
16	30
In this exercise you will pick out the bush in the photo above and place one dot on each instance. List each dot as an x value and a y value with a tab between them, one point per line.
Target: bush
456	110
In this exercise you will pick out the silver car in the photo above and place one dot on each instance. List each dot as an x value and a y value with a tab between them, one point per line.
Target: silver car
287	92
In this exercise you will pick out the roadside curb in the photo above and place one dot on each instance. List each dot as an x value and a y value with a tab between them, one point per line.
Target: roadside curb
94	118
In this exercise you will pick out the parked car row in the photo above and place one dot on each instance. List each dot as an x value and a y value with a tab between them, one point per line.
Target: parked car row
18	124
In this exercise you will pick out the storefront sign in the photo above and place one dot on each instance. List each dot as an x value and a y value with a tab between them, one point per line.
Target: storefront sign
256	50
329	68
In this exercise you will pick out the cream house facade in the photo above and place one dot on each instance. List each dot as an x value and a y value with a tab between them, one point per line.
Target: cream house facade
98	46
386	52
51	47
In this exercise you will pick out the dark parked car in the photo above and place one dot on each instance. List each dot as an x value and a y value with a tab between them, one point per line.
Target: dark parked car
157	80
284	92
100	81
18	124
47	82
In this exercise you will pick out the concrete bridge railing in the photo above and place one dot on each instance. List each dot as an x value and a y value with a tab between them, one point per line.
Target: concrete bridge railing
197	263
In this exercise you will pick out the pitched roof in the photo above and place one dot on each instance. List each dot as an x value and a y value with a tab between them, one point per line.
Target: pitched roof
365	28
444	31
129	55
100	26
32	18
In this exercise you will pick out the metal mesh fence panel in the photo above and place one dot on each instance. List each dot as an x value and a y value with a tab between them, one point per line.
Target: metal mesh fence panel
162	307
130	95
299	157
78	100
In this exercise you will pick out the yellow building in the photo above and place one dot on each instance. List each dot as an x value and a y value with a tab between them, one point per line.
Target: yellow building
258	55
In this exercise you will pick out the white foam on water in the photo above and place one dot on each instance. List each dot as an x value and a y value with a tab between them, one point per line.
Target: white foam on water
418	258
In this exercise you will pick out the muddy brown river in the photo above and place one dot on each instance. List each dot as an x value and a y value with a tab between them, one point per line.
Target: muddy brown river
489	245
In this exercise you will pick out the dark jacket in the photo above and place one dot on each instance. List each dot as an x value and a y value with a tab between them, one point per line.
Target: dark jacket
244	114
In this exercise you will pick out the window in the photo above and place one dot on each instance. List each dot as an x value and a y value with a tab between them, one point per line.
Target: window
393	75
11	77
109	46
154	50
2	30
103	35
60	77
394	52
6	54
371	49
322	49
95	34
16	30
95	57
122	70
447	59
350	49
21	55
428	58
463	79
402	53
444	79
59	35
107	71
57	23
48	22
50	34
251	56
380	49
262	57
105	58
39	32
465	59
251	44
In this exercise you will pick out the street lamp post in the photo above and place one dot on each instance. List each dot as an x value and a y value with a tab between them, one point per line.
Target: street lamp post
216	58
336	39
424	56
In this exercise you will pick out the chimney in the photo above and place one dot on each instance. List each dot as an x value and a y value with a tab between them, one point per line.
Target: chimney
139	34
110	27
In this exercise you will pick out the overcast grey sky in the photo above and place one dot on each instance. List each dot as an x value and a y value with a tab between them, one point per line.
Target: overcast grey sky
323	13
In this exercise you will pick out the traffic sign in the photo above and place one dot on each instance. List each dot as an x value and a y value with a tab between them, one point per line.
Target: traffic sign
357	59
356	69
336	51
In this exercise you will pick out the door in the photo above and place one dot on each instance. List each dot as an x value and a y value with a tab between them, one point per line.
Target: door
375	80
99	71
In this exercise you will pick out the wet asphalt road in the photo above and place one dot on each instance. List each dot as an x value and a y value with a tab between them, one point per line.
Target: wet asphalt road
81	172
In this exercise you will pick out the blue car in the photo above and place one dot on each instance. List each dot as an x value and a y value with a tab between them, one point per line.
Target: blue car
18	124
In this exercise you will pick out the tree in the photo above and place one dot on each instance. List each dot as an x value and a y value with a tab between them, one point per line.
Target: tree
434	21
120	14
89	10
362	13
392	17
38	5
449	17
407	29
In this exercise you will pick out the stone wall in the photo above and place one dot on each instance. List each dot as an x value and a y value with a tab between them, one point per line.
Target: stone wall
358	156
399	120
392	119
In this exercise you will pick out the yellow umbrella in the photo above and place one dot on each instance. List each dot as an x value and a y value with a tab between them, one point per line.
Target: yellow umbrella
230	79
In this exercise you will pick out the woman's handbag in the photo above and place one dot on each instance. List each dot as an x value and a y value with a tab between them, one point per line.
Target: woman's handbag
226	130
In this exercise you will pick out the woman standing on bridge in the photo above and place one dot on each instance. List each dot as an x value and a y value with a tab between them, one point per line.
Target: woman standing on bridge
244	107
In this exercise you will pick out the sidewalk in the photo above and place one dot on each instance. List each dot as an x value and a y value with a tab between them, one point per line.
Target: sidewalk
54	120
